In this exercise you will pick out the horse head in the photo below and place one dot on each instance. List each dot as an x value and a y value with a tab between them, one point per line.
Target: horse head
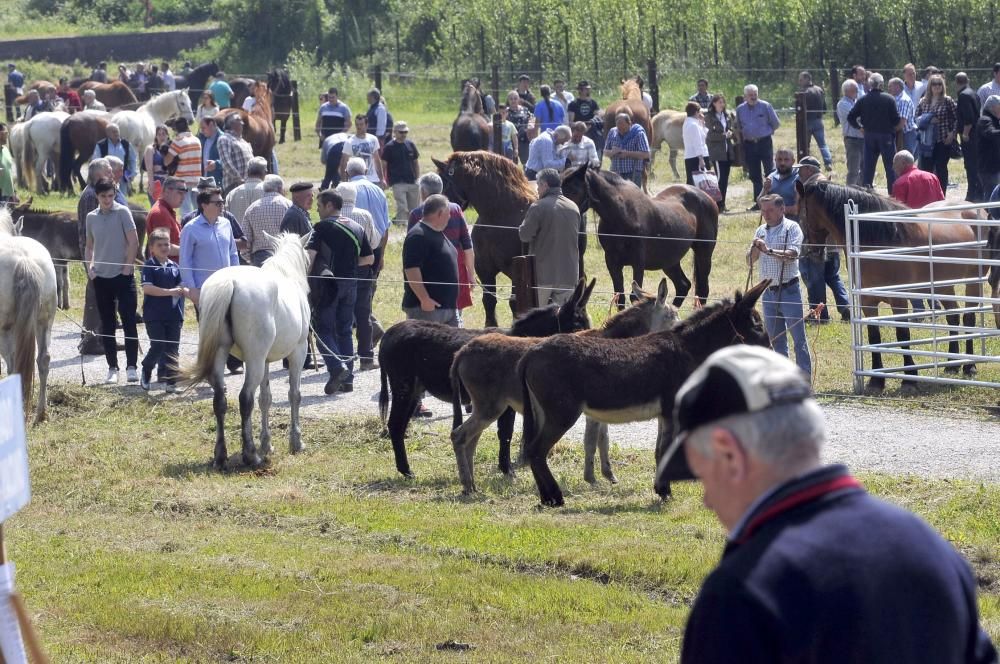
183	99
813	220
574	186
7	226
451	188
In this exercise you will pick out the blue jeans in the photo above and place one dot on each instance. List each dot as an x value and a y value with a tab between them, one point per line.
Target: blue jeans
877	145
818	274
910	142
363	311
817	131
783	313
164	341
334	325
758	156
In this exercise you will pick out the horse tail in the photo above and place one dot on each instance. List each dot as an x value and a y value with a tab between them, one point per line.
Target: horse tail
30	156
456	393
706	213
383	395
528	414
66	154
28	279
213	327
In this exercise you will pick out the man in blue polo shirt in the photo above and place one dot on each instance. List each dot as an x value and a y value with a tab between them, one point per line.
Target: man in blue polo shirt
162	310
758	122
781	181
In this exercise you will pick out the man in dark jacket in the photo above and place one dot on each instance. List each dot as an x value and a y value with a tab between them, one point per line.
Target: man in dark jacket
814	569
877	115
969	108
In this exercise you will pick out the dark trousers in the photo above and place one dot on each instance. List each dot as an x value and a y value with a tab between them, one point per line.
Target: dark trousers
818	274
331	178
111	293
970	155
758	156
722	170
164	344
877	145
937	163
363	312
333	327
691	166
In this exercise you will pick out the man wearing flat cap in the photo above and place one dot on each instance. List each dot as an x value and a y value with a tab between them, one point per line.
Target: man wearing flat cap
814	569
297	218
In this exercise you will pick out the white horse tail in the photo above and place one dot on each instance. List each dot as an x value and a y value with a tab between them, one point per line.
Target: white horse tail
29	155
213	326
28	280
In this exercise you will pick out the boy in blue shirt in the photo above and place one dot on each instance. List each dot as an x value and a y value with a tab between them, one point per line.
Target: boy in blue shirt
162	311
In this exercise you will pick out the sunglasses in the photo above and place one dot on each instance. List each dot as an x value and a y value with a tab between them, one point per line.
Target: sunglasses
216	202
183	191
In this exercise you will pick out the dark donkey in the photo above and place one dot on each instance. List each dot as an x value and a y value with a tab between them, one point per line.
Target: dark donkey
496	187
624	380
417	355
482	370
632	224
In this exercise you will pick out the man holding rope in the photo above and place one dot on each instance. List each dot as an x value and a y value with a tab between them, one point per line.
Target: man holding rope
777	245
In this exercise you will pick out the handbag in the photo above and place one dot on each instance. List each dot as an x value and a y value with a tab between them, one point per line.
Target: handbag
708	183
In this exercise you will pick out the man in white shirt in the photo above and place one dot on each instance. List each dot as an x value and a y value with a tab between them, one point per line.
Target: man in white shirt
561	94
579	149
364	146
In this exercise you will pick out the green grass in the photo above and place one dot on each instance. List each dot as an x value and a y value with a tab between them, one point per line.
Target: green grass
133	550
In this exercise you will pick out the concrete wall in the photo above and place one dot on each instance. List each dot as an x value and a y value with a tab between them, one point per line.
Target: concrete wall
91	49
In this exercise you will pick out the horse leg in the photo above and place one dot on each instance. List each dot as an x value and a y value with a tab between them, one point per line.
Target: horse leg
702	268
969	320
220	405
903	336
405	395
591	437
682	285
604	447
617	272
489	282
264	403
953	320
295	362
42	332
875	383
253	377
673	163
505	433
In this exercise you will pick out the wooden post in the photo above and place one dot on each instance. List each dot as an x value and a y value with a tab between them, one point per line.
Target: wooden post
715	43
377	76
569	65
525	293
399	67
296	117
867	45
834	92
652	40
781	31
538	52
510	61
685	35
495	84
746	39
906	38
654	84
482	49
965	42
801	126
9	95
593	47
498	134
624	53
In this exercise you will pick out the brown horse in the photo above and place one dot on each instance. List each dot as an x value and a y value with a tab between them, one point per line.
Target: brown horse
44	88
114	94
821	213
631	224
280	85
471	130
258	125
482	369
78	137
242	88
497	188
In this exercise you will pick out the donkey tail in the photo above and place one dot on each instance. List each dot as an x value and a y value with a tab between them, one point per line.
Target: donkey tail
383	395
28	279
213	330
456	393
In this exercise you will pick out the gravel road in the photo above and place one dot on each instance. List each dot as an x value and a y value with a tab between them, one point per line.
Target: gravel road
885	439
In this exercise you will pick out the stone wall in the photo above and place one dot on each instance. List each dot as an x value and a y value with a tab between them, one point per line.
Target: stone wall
91	49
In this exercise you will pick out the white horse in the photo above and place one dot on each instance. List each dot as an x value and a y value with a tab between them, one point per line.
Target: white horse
668	127
260	316
138	127
27	308
32	144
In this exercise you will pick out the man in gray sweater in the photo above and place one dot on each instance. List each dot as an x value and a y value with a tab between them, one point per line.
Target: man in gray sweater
551	228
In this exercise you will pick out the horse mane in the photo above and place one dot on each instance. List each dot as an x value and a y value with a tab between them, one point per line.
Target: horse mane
6	223
631	90
834	196
262	108
289	259
506	181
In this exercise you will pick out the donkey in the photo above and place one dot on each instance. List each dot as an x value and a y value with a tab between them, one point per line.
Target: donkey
624	380
482	370
417	355
57	232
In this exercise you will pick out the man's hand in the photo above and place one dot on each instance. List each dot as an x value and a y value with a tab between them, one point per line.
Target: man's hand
90	272
194	294
760	245
429	304
126	271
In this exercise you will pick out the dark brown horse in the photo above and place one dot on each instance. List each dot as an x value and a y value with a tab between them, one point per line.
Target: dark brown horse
482	371
197	81
242	88
821	213
631	223
624	380
258	125
280	85
113	94
78	137
417	355
471	130
501	194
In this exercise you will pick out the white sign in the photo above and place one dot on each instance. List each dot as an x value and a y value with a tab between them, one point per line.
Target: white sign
15	484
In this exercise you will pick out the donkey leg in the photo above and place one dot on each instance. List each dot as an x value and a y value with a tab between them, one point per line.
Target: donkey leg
505	433
591	436
604	447
295	362
405	395
264	403
548	488
681	283
464	439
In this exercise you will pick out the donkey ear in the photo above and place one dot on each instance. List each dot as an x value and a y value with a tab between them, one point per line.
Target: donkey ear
750	298
585	298
637	292
440	164
661	293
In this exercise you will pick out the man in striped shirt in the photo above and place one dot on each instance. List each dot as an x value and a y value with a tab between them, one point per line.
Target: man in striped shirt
264	216
628	148
234	153
240	198
905	108
185	149
990	88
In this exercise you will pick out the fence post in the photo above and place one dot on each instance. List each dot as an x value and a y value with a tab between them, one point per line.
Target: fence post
715	42
482	48
9	95
593	47
296	119
498	134
685	44
781	30
801	126
399	67
906	37
378	76
834	92
495	84
525	294
654	84
569	74
864	26
538	51
746	39
510	60
624	53
371	41
965	42
652	40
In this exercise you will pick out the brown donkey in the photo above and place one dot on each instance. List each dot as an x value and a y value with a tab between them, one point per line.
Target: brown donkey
482	369
624	380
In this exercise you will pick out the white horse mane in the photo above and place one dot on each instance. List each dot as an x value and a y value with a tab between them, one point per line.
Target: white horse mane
6	222
290	259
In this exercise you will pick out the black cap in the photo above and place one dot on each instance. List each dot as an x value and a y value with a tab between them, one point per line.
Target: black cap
808	160
300	186
583	84
524	77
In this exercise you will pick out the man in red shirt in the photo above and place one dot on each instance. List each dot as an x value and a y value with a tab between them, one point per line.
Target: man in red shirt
163	214
70	96
913	187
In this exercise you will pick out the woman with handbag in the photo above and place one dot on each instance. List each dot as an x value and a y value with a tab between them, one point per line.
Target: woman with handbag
936	119
695	150
720	124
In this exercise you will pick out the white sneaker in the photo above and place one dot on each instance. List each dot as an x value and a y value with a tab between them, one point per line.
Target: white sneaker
132	375
112	378
171	388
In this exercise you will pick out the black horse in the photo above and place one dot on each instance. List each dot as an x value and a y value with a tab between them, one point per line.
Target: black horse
416	355
197	81
280	85
471	130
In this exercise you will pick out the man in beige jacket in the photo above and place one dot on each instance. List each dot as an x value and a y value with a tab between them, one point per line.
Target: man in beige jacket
551	228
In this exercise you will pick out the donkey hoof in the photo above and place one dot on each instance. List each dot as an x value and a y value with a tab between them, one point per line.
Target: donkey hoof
556	501
611	478
219	465
252	461
951	369
589	478
408	474
293	449
875	387
908	388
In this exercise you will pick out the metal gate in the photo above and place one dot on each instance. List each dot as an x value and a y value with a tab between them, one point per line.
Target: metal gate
930	338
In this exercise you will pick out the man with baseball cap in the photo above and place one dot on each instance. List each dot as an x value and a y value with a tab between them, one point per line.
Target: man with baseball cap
814	569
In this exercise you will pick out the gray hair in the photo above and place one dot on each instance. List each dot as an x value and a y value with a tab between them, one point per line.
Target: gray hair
433	203
430	183
990	102
273	184
903	157
789	436
257	167
895	81
89	93
549	176
876	81
114	162
750	87
348	192
623	116
849	84
356	166
98	168
563	132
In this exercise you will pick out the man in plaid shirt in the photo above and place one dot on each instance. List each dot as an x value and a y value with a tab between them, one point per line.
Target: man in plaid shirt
264	216
628	148
234	153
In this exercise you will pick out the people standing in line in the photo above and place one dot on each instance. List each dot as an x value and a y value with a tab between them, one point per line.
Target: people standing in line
363	320
776	247
7	191
337	243
561	94
815	99
988	132
521	117
550	114
162	311
854	139
113	145
937	118
720	124
265	215
364	146
814	569
913	88
207	108
378	119
695	148
430	267
757	122
702	96
551	228
876	114
235	153
585	109
297	218
186	150
110	253
163	215
543	152
241	197
524	90
221	91
628	148
156	172
333	117
968	109
579	150
208	136
991	87
400	163
907	113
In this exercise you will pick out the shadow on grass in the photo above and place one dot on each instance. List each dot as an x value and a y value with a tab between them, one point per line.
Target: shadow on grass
234	466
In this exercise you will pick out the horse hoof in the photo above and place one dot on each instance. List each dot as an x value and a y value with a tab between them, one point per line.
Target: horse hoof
970	370
408	474
611	478
293	449
219	465
664	492
908	388
589	479
470	491
874	388
951	370
252	461
553	502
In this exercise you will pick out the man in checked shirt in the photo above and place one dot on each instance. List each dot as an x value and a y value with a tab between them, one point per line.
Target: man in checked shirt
777	245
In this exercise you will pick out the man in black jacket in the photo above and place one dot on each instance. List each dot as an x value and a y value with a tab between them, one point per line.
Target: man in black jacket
876	114
814	569
969	108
